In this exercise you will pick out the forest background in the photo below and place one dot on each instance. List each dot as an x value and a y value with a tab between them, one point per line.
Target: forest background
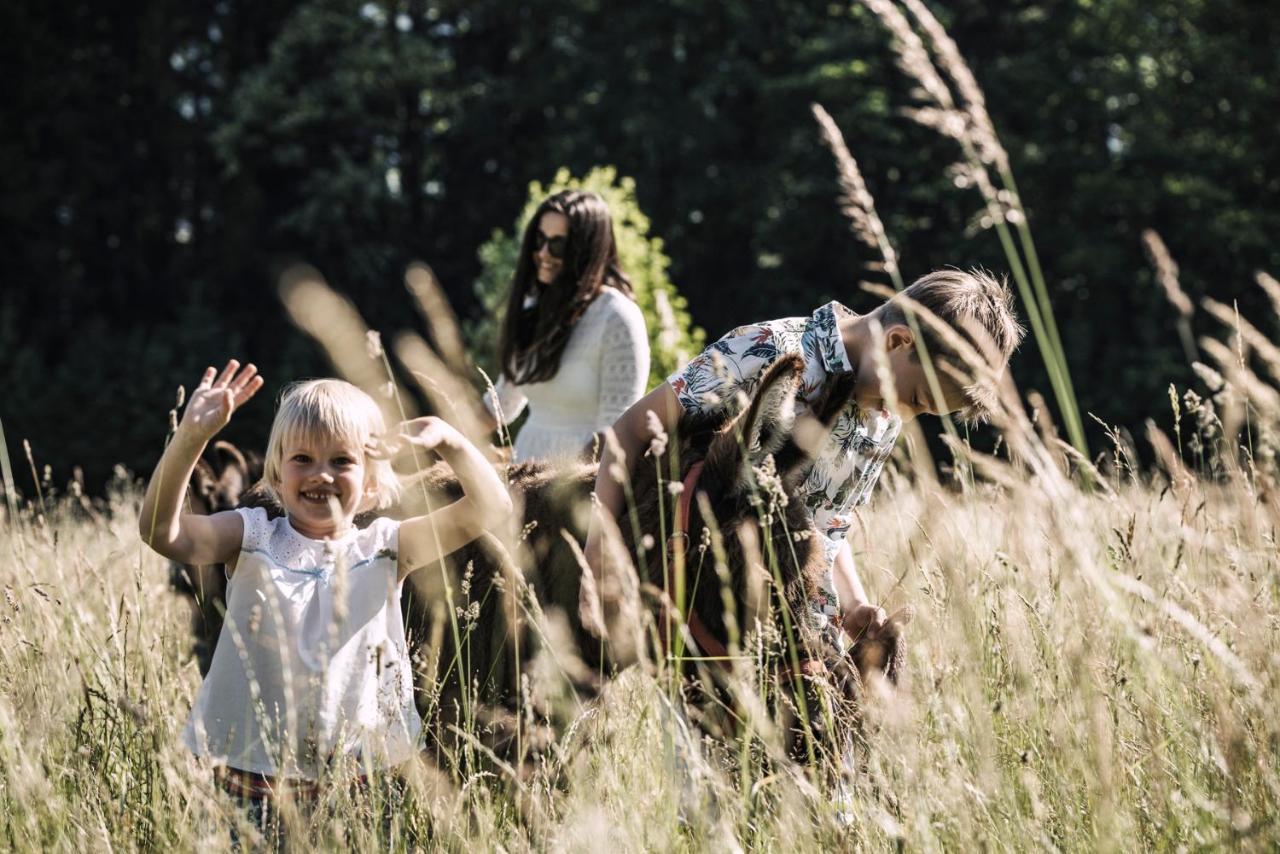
162	162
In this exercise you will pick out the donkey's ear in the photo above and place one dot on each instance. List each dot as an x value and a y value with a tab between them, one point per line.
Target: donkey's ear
228	455
202	478
253	462
768	421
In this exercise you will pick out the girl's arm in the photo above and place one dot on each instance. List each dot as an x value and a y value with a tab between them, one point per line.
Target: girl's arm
188	537
484	504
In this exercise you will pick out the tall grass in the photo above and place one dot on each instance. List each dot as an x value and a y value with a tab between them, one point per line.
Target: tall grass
1086	671
952	103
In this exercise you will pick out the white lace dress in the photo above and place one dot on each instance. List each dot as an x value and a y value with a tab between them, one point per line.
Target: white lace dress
603	371
312	663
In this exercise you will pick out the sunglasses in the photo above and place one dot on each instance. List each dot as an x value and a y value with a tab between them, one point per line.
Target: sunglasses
555	245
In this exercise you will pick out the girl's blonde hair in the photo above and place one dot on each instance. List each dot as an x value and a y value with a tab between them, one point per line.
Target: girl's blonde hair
331	408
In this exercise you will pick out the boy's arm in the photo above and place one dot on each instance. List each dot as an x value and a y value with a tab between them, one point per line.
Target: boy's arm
632	433
484	505
708	380
188	537
857	614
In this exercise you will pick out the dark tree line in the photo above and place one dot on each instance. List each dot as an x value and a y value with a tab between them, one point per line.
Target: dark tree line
161	162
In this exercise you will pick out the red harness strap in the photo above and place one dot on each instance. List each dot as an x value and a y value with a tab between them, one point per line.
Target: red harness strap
814	668
709	644
247	784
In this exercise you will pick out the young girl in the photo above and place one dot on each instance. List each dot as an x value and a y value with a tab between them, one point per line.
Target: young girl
311	668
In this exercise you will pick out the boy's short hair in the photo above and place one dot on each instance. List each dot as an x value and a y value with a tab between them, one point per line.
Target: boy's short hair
974	305
334	408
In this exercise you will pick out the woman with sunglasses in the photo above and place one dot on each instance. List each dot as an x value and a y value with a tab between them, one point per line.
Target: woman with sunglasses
573	347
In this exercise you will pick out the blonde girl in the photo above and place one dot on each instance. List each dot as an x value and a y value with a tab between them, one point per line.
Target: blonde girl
311	668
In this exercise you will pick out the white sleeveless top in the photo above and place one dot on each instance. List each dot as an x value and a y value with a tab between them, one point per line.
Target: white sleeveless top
603	370
312	663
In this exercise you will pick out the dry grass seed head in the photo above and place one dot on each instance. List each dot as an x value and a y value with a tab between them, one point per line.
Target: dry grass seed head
1166	272
981	131
856	201
332	320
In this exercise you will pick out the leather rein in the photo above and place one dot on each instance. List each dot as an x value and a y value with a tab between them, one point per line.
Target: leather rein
708	644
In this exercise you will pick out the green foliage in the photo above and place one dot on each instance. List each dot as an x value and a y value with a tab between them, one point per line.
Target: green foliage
199	147
673	339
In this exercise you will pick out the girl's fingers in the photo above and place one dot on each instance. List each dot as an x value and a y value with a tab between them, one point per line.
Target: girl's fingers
207	380
242	379
247	391
429	439
227	373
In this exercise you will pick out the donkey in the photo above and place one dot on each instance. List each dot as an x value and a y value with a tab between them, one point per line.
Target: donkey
479	621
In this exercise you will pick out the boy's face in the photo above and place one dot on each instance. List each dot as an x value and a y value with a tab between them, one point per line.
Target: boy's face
323	484
909	380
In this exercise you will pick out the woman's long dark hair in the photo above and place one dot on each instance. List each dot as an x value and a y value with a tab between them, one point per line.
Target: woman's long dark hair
533	339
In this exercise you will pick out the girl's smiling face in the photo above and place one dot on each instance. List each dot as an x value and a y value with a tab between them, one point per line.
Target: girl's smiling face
323	484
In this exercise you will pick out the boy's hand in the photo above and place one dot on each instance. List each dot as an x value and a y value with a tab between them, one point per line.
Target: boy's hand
862	620
217	397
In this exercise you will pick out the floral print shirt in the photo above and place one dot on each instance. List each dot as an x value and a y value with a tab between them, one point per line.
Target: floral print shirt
846	469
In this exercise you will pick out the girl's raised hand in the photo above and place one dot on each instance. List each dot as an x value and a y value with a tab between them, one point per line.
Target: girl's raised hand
217	397
429	432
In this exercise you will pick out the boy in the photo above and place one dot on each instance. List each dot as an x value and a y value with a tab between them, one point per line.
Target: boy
838	346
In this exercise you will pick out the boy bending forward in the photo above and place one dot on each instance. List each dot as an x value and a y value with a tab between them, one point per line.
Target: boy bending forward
837	346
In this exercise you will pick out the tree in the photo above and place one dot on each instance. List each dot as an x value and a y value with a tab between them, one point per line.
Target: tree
161	166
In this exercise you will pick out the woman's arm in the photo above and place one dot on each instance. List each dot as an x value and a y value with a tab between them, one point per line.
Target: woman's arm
484	505
624	359
623	367
187	537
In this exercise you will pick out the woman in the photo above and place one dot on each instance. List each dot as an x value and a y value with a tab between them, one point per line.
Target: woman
573	346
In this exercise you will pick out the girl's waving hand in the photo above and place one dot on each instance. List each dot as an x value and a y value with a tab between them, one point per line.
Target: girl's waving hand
217	397
186	537
483	506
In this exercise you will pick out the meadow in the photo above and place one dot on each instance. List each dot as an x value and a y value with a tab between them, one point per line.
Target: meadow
1090	667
